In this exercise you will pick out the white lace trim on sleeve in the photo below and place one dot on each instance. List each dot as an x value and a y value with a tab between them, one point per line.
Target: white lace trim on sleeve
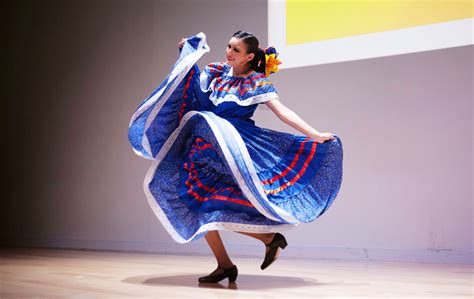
203	81
249	101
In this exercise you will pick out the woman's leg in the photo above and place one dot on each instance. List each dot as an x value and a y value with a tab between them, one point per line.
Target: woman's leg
217	246
215	242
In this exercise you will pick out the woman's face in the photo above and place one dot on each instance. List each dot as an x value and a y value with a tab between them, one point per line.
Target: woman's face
236	53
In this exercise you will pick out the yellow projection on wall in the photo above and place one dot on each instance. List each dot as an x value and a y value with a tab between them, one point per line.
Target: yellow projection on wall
316	20
309	32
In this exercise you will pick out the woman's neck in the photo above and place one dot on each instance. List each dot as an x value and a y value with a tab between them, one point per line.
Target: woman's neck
241	71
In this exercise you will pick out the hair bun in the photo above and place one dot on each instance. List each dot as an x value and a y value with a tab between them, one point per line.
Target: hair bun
261	56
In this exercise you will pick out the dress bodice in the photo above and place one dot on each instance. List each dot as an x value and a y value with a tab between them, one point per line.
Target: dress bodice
235	96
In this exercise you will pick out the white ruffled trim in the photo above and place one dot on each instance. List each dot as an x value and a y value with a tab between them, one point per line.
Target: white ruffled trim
203	82
249	101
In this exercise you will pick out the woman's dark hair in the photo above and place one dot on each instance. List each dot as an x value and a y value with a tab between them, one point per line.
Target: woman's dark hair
258	62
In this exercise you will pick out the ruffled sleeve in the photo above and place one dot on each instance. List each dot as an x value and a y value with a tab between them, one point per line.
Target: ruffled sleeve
265	92
210	72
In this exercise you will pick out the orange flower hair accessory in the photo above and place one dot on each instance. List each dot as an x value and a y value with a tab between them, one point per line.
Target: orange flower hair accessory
271	61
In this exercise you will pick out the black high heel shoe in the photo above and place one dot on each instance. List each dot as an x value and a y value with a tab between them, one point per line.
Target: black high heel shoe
278	241
231	273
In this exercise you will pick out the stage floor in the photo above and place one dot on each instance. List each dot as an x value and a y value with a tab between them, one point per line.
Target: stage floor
59	273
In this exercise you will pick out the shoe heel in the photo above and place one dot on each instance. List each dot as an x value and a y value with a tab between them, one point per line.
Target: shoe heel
233	277
283	244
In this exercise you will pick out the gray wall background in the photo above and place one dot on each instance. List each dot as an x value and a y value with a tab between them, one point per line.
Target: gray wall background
76	71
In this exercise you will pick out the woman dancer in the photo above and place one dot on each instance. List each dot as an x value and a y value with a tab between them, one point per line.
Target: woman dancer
214	169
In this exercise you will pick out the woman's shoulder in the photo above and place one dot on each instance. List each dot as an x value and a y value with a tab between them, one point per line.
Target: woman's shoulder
210	72
216	68
264	83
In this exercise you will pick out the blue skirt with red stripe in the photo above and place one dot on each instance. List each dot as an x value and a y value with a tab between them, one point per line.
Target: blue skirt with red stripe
215	172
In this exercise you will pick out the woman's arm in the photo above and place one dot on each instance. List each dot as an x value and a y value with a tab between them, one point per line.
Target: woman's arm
292	119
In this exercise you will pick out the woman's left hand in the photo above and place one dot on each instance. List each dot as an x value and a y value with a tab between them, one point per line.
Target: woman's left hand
322	137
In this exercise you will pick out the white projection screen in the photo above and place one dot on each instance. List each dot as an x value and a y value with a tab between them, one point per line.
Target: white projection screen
311	32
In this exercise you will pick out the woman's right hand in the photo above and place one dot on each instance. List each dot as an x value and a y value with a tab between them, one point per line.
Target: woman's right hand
181	43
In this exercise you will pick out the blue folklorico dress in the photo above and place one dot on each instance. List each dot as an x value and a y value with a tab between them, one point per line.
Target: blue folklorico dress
213	168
